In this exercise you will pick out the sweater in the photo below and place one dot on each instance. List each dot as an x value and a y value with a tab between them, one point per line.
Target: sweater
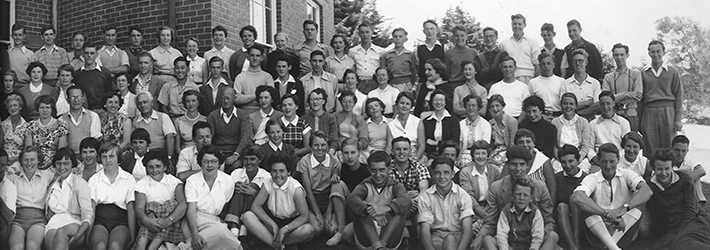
424	54
96	83
234	136
673	206
246	83
545	135
453	59
662	90
326	123
392	194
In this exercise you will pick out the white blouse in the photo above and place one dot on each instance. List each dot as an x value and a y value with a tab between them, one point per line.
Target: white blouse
120	192
210	201
240	175
281	199
158	191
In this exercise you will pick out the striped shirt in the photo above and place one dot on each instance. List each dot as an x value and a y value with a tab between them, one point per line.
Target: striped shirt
52	59
164	59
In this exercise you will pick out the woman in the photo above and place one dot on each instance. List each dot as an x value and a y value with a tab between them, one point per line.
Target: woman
540	166
632	144
35	89
9	78
473	128
435	71
471	86
113	195
128	108
574	130
183	124
377	126
206	192
297	132
115	126
165	54
386	93
404	123
14	137
477	177
503	129
89	165
196	62
132	160
321	120
349	124
351	81
27	230
285	219
69	207
160	204
59	92
46	133
265	95
435	128
339	62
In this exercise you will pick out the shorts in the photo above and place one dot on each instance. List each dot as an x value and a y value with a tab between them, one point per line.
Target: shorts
111	216
279	222
438	237
27	217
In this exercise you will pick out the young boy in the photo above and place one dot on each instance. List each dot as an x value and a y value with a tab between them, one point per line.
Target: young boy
567	180
680	145
400	62
445	210
520	225
286	83
380	206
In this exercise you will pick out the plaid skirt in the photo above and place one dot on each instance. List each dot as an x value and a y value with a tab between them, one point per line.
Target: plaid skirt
157	210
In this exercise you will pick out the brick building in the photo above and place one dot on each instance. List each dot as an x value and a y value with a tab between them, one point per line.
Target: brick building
190	18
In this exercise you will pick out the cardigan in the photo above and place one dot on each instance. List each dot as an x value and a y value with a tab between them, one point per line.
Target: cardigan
584	134
450	131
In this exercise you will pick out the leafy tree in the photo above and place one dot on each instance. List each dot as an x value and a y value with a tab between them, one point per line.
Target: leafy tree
457	16
607	61
688	49
351	13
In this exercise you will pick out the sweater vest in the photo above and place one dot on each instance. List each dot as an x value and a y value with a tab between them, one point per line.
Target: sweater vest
383	197
77	132
424	54
520	233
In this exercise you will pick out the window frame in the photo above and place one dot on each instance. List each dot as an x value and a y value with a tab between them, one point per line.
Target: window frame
10	23
264	36
315	16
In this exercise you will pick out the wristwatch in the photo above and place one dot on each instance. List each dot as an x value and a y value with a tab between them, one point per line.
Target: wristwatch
626	205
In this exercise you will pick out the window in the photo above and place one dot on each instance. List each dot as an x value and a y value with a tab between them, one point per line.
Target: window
7	18
313	13
263	18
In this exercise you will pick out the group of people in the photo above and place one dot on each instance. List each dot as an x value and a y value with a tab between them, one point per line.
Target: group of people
511	147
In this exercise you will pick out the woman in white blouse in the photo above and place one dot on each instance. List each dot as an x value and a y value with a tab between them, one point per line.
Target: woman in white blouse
69	206
285	221
206	192
404	123
473	128
112	194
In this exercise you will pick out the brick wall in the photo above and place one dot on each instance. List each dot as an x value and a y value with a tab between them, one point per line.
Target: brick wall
232	14
291	14
193	20
34	14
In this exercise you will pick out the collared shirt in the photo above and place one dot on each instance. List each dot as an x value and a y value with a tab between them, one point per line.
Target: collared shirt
563	63
260	137
402	64
95	121
320	172
209	200
466	89
283	86
337	66
281	200
112	57
31	192
388	96
588	89
411	177
164	58
261	177
674	178
439	127
377	133
445	212
77	62
59	195
36	89
482	182
295	131
228	117
225	53
20	58
409	129
120	192
327	82
366	61
568	132
142	84
503	132
548	88
657	73
609	130
79	169
139	170
638	165
304	55
52	58
187	160
610	195
525	52
196	65
158	191
513	93
171	95
472	131
8	194
275	147
158	125
215	89
628	80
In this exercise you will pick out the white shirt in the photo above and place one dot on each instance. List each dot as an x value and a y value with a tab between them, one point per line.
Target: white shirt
589	89
261	177
210	201
158	191
366	61
568	132
95	129
525	52
196	65
609	130
548	88
120	192
139	170
388	96
8	194
215	88
638	165
260	137
482	182
281	199
227	117
59	196
409	130
481	130
624	182
513	93
187	160
664	65
438	127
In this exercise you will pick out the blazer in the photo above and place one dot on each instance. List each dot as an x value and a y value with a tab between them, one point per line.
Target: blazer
470	183
207	103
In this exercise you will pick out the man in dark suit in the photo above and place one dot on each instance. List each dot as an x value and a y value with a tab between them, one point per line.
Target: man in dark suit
212	90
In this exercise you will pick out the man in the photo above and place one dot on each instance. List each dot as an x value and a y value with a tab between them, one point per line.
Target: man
412	174
286	83
512	90
625	83
81	123
318	78
547	32
500	193
76	57
595	65
567	180
219	49
430	49
489	59
51	55
677	219
239	61
20	56
187	164
232	130
310	45
135	35
158	124
445	211
582	85
523	50
612	197
378	202
662	99
246	82
212	91
609	127
543	130
696	171
400	62
170	97
459	53
366	56
145	81
547	86
94	79
281	40
114	59
8	201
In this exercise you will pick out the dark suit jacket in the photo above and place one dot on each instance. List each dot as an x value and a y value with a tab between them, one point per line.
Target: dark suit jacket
156	84
207	103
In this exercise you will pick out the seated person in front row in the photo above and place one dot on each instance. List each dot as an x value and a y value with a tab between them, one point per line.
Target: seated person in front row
160	204
477	177
279	214
275	130
445	210
567	214
632	144
187	164
8	201
89	149
677	218
520	225
379	206
612	213
680	144
249	179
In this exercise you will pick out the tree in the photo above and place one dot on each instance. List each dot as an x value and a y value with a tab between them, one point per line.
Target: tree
457	16
351	13
688	50
607	61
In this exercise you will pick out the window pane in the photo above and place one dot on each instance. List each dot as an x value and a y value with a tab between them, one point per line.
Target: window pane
258	21
5	20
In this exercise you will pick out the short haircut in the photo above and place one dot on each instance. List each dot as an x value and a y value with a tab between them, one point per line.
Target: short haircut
320	92
254	150
147	54
371	100
256	47
496	97
569	95
574	22
30	149
378	156
109	27
280	158
110	95
311	22
654	42
268	89
469	97
432	21
136	28
119	74
339	35
662	154
544	55
281	33
680	139
146	93
508	58
534	101
620	46
400	29
220	28
75	87
112	147
401	139
459	28
208	149
140	134
89	142
46	28
215	59
449	144
15	97
191	92
293	97
181	59
406	94
17	26
364	25
439	160
435	93
159	155
480	144
518	16
568	149
34	65
607	93
634	136
46	99
548	27
609	148
172	32
524	182
439	66
65	67
580	51
317	53
317	134
490	29
374	76
272	122
283	59
522	133
192	39
347	93
61	154
201	125
350	141
89	44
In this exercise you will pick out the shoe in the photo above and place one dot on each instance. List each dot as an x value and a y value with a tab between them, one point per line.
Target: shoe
335	240
235	231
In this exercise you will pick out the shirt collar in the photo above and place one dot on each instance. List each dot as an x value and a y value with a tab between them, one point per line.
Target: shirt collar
83	111
674	178
527	209
286	123
290	79
23	49
36	89
215	49
601	175
495	49
153	116
221	81
233	114
325	163
96	67
107	48
571	121
434	190
614	118
275	147
384	120
586	80
433	116
54	47
264	115
577	176
664	65
162	50
286	184
475	172
153	182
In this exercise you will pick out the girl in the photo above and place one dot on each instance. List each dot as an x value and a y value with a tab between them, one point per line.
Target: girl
116	127
436	127
476	177
35	89
377	126
351	82
183	124
386	93
59	92
298	131
128	108
632	143
503	129
46	133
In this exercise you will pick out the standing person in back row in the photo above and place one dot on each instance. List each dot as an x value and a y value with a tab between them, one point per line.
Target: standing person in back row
311	44
219	49
430	49
595	65
458	54
489	59
51	55
547	32
110	56
662	100
367	58
522	49
626	85
239	61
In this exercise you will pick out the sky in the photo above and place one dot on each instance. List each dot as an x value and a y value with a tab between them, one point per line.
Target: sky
604	22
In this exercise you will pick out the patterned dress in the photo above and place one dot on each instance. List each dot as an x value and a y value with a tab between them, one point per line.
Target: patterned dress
184	127
45	138
13	140
112	128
